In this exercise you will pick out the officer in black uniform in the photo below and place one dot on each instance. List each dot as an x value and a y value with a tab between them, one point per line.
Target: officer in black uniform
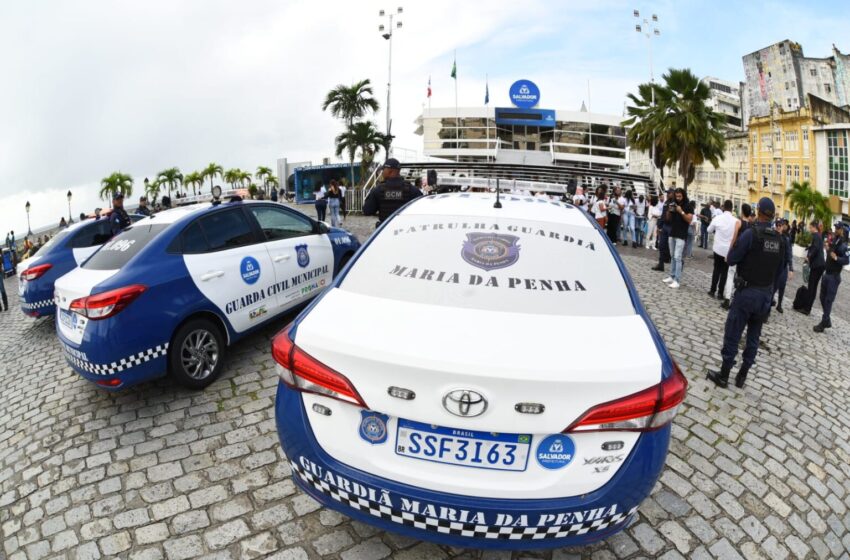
390	195
119	219
837	257
758	254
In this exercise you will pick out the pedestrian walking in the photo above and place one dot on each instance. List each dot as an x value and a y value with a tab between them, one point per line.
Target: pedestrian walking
816	264
786	267
837	257
757	253
333	195
723	228
321	203
680	212
393	193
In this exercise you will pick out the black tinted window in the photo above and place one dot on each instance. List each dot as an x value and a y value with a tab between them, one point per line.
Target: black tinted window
226	230
123	247
277	223
194	240
93	234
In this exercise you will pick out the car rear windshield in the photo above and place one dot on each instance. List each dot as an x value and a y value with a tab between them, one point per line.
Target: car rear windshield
502	264
123	247
54	241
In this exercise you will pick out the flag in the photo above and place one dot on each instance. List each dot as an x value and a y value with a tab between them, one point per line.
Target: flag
454	69
429	87
486	93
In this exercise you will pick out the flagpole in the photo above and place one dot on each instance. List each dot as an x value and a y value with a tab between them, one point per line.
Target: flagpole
487	113
457	119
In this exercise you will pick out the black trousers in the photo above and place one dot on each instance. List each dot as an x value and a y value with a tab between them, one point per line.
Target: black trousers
613	227
719	274
664	245
812	292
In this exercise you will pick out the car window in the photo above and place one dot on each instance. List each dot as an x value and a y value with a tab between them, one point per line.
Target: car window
227	229
123	247
493	264
54	241
96	233
277	223
194	240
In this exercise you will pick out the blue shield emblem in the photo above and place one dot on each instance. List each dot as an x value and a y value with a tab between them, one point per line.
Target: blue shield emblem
373	426
303	255
490	251
249	268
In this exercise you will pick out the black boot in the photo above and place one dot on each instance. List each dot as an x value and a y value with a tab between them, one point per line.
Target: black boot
720	378
741	378
779	309
725	304
5	301
822	326
658	267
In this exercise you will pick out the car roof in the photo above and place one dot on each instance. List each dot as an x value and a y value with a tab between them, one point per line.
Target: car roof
183	213
513	206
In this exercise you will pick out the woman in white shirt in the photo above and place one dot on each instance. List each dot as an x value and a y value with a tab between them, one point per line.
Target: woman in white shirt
655	209
600	209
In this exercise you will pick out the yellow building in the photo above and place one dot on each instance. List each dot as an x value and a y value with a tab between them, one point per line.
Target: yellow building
782	149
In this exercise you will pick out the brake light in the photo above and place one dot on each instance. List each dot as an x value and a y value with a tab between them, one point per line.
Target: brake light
107	304
302	372
34	272
643	411
109	382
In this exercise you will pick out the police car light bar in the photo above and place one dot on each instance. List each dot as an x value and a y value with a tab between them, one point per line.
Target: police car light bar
302	372
643	411
107	304
507	186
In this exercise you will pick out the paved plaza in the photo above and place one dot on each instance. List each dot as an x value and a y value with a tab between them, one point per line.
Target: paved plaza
161	472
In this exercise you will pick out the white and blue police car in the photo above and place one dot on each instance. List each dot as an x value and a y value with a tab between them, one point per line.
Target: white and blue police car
459	381
65	251
168	294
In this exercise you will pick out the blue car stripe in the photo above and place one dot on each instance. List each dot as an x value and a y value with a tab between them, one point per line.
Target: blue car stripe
115	367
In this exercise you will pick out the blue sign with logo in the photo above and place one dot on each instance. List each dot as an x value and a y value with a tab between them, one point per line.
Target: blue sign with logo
250	270
373	426
302	255
525	94
556	451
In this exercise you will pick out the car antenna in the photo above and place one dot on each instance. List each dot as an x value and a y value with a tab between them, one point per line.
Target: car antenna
497	204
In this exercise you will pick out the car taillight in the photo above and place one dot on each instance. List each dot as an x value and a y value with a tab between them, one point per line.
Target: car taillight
107	304
303	372
34	272
643	411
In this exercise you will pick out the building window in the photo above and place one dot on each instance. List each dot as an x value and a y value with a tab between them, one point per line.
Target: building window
813	72
805	172
806	135
827	88
765	142
770	171
797	173
837	142
792	141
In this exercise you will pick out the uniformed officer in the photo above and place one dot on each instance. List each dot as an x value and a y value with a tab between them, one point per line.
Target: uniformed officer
119	219
390	195
837	257
758	254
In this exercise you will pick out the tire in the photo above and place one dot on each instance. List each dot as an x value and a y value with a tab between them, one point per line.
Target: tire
187	365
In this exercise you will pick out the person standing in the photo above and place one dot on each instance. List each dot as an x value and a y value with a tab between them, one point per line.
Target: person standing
654	213
664	234
817	264
794	231
321	203
640	221
143	208
786	267
393	193
757	253
705	219
629	219
119	219
692	237
615	213
333	196
837	257
680	214
579	199
342	207
741	226
723	228
600	208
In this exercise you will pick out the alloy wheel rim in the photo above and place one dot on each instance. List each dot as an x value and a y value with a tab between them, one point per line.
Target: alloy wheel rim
199	354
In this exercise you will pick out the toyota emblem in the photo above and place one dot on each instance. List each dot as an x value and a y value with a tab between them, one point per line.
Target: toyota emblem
465	403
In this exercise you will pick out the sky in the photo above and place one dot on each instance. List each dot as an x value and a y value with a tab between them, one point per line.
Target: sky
105	85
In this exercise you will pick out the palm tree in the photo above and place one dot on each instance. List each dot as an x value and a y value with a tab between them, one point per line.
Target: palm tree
170	177
263	174
244	178
363	137
115	183
194	179
807	203
211	171
233	176
348	103
683	127
272	182
152	190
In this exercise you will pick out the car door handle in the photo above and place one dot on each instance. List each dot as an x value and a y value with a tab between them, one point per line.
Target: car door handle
213	274
281	258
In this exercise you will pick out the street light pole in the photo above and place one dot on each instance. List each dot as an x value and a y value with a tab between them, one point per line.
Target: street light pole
29	229
70	219
387	33
650	29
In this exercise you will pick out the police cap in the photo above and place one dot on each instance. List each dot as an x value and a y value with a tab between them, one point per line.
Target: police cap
765	206
392	163
118	195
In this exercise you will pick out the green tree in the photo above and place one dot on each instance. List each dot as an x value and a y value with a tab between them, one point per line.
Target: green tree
152	190
116	182
362	137
233	176
171	178
348	103
193	179
808	204
684	129
212	170
262	174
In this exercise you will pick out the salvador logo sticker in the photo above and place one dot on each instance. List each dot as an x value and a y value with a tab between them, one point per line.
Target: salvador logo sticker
373	426
490	251
303	255
250	270
556	451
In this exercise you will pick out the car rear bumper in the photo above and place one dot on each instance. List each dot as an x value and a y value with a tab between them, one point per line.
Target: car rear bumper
466	521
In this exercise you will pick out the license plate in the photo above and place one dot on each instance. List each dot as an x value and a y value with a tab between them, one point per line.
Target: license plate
65	319
467	448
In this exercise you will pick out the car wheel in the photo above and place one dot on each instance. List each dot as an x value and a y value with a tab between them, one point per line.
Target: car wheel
196	354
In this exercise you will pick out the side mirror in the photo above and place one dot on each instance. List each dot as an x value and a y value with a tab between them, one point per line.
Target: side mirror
322	227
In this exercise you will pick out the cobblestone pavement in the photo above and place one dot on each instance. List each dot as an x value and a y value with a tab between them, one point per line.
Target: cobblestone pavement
161	472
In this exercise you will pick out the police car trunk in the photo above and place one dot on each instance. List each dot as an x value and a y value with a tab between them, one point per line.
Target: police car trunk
457	305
